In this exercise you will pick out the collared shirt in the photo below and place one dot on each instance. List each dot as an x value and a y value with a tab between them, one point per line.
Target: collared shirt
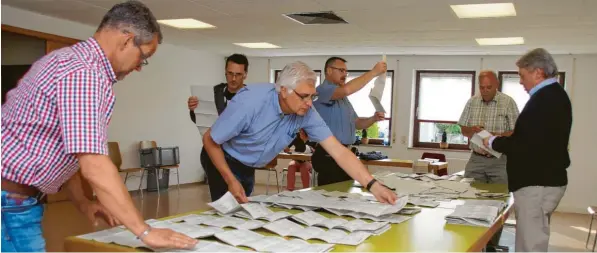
338	114
543	84
253	129
61	107
498	115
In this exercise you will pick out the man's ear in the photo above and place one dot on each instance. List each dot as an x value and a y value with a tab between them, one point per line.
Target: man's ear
283	92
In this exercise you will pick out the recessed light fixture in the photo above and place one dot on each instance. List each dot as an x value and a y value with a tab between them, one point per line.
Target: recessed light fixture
500	41
185	23
494	10
257	45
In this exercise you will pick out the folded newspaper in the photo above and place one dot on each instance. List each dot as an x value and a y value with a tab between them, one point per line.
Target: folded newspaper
473	215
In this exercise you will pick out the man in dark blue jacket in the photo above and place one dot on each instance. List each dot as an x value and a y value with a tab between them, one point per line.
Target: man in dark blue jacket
537	150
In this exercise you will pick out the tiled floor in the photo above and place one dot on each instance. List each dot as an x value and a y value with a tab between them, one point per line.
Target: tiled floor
568	231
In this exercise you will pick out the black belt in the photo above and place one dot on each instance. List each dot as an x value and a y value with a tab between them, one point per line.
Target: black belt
23	190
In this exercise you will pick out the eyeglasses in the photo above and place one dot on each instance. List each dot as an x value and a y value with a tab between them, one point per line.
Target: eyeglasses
144	57
343	71
306	97
234	75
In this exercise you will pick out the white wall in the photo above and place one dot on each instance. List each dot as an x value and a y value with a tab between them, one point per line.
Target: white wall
580	85
150	105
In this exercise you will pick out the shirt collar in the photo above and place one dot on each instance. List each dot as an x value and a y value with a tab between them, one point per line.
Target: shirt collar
105	63
543	84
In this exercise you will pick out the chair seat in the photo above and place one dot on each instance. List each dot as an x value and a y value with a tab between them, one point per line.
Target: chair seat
130	170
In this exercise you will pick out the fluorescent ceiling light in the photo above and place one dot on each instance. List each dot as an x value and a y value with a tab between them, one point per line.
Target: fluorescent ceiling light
500	41
257	45
185	23
484	10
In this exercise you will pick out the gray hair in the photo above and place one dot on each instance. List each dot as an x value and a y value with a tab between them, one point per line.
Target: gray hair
133	17
294	73
539	58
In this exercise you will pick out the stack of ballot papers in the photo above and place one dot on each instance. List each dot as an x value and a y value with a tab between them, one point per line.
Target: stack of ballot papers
315	200
473	215
263	243
286	227
206	246
314	219
391	218
227	206
218	221
477	139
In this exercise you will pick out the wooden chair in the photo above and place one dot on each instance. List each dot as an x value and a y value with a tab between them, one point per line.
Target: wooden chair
116	157
592	210
153	144
440	157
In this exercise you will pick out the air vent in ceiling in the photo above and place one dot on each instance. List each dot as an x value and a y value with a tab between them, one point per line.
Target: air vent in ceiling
316	18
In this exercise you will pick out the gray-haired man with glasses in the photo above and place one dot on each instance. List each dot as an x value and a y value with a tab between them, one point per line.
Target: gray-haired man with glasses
260	122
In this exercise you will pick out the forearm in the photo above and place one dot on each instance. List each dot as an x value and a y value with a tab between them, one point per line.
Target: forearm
216	154
467	131
364	123
353	86
111	192
507	133
74	190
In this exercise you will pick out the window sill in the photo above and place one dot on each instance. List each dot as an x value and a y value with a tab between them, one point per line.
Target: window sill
440	149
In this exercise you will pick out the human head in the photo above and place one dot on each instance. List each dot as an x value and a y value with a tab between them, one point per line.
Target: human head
536	66
237	66
488	84
296	86
335	70
129	34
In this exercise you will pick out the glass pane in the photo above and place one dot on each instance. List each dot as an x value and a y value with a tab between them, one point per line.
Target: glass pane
360	99
443	97
511	86
432	132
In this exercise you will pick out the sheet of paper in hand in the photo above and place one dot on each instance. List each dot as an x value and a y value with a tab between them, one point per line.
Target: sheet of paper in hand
226	204
478	140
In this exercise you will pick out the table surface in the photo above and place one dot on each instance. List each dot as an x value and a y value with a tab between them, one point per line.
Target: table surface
426	231
383	162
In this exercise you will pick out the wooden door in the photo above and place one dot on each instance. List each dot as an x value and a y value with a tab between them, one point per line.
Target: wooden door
53	45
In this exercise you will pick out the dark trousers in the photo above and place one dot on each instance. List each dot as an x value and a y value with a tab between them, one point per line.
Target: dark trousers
217	186
328	171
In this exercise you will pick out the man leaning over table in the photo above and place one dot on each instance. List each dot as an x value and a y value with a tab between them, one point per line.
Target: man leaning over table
56	121
260	121
537	150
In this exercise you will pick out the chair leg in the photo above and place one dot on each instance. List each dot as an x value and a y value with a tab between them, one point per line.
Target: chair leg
284	173
140	183
126	176
157	179
589	235
178	179
267	184
277	181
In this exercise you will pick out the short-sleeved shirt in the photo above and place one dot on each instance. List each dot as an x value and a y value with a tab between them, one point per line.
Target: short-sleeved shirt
338	114
61	107
253	129
498	115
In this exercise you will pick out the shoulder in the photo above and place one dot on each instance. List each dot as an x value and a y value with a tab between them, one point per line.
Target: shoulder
503	97
255	95
219	87
325	85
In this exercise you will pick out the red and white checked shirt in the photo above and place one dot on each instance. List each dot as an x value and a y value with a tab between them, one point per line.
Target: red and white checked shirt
61	107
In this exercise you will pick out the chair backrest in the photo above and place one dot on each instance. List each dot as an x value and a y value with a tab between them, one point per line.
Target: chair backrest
114	153
440	157
147	144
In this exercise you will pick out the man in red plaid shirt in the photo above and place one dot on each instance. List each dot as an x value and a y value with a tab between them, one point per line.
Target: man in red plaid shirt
56	121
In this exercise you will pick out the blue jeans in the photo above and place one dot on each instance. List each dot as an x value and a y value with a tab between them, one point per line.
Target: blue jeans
21	225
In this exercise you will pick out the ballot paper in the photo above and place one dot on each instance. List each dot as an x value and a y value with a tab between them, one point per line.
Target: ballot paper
478	140
205	246
234	222
258	211
205	113
286	227
410	210
314	219
473	215
423	202
263	243
226	204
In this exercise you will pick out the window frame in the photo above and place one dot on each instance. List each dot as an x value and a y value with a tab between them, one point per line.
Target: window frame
561	80
390	133
417	121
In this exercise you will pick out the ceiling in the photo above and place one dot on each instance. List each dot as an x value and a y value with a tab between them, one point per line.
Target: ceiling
375	26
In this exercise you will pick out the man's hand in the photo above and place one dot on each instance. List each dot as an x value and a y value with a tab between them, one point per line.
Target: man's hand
379	116
477	129
237	191
286	150
379	68
168	239
93	210
383	194
193	103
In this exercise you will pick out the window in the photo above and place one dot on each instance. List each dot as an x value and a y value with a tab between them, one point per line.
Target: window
317	72
364	108
440	97
510	85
